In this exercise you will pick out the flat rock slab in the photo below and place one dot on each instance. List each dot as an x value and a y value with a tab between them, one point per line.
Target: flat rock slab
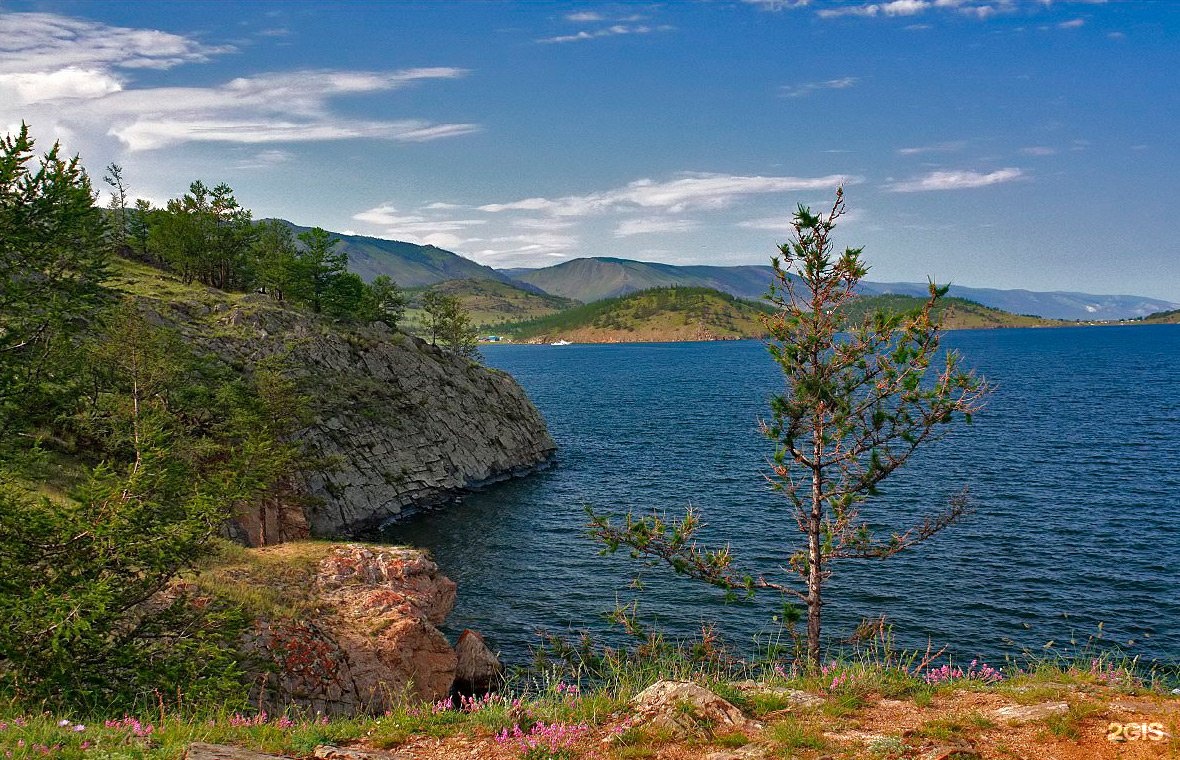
330	752
202	751
1018	714
794	696
748	752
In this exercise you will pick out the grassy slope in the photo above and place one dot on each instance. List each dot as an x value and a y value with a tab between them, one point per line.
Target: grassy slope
660	314
1163	318
490	303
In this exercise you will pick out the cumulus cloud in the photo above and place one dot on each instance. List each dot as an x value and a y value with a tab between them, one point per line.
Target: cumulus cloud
650	225
800	90
955	180
689	191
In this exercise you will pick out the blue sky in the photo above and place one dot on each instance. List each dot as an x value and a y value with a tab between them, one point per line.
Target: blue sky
994	143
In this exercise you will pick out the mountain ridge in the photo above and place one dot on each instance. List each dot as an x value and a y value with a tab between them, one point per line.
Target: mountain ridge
593	278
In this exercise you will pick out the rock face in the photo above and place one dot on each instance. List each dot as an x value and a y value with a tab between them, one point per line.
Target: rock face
371	640
397	423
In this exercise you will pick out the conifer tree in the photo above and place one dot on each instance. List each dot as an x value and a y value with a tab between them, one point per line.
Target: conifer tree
860	399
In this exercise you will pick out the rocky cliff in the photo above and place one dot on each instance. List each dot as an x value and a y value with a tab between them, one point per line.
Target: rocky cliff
394	422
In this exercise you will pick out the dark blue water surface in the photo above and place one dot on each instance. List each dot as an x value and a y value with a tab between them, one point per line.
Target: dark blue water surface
1073	470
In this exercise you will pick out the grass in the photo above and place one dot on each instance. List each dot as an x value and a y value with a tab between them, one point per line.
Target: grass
547	695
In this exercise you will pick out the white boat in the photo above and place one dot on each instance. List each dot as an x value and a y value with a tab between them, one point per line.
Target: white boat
561	343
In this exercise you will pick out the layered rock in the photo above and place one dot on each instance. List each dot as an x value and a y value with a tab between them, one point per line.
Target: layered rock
371	641
396	423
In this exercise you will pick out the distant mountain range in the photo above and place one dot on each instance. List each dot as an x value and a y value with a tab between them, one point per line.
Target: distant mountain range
593	279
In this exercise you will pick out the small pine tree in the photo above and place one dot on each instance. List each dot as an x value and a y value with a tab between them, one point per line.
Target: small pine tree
860	400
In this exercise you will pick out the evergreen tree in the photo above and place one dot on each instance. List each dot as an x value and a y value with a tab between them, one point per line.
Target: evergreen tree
275	259
385	300
53	257
320	263
859	402
139	229
450	323
118	204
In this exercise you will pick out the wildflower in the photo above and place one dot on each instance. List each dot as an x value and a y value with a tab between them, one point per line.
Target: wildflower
79	728
63	723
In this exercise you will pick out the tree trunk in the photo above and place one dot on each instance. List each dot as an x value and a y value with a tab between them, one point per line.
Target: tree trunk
814	557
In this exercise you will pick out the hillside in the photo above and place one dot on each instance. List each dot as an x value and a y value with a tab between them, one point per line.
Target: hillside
491	302
410	265
686	314
955	313
655	315
402	424
592	279
1163	318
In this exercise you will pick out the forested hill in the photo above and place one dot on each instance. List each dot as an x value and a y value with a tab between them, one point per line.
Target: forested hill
687	313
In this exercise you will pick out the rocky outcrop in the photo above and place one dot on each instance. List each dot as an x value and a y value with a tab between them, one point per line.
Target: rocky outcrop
395	423
370	640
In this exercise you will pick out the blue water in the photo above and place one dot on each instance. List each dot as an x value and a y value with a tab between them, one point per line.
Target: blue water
1073	470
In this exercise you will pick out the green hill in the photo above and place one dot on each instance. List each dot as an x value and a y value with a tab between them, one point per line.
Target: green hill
655	315
1163	318
489	302
955	313
688	313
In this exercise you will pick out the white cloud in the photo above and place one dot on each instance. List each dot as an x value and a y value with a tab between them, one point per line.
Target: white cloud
45	42
955	180
74	75
583	17
613	30
778	5
396	223
800	90
1038	150
266	159
1072	23
650	225
69	83
942	147
689	191
904	8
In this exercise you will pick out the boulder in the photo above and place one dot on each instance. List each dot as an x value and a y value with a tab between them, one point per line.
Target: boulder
686	710
478	670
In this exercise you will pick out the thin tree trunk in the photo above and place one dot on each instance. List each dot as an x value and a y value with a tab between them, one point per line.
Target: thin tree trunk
814	569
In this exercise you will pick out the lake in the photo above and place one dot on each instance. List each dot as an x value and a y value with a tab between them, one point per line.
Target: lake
1073	470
